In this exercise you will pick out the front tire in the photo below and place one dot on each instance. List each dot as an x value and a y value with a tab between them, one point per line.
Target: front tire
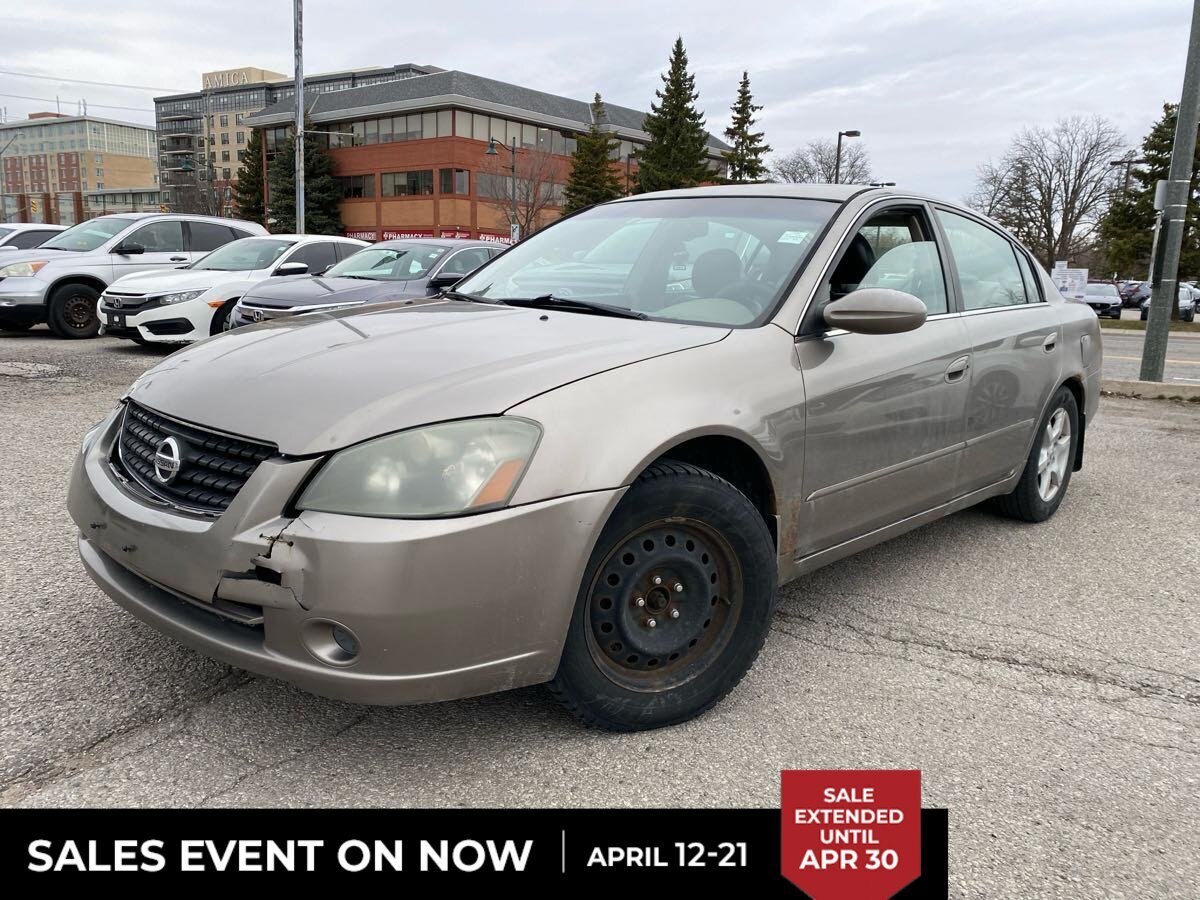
73	313
221	317
675	604
1043	484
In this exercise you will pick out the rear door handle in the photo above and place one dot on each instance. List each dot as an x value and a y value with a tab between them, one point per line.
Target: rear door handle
957	369
1050	342
178	259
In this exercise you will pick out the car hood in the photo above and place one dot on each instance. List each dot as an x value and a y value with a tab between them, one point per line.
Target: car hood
315	290
319	382
52	256
162	280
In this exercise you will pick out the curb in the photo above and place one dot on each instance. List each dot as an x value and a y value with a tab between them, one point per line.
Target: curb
1189	335
1151	390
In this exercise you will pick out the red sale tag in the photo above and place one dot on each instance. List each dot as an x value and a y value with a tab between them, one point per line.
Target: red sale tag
851	832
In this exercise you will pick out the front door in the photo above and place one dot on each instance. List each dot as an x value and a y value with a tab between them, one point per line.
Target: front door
883	413
162	243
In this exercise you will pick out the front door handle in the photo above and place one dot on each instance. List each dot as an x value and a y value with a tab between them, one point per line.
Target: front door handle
178	259
1050	342
957	369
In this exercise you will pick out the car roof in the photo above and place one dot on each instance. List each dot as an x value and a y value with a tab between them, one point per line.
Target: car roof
306	237
30	226
191	217
435	242
836	192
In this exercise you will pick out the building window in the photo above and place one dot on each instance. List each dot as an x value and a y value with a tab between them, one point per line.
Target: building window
224	156
99	173
406	184
455	181
385	131
241	156
224	137
225	174
445	123
241	137
357	186
238	118
371	129
224	121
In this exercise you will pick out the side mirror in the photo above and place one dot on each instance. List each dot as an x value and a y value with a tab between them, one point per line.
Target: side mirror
443	281
876	311
292	268
129	248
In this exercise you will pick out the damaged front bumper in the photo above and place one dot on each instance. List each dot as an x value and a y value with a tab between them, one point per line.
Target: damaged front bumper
439	609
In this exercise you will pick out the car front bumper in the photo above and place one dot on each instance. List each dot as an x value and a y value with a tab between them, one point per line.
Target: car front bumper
175	323
442	608
16	293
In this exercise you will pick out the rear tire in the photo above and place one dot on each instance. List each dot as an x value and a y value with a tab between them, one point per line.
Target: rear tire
73	313
1048	468
711	609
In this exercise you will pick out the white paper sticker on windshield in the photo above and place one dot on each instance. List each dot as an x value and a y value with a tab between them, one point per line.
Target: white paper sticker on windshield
793	237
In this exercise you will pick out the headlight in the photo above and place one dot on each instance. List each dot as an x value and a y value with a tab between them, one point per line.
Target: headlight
439	470
182	296
22	269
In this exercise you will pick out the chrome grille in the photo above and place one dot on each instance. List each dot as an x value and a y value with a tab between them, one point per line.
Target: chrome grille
212	467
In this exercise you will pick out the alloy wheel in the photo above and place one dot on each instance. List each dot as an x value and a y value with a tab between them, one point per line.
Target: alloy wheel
1054	455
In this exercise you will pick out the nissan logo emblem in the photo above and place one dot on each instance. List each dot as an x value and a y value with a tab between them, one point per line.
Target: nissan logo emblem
167	460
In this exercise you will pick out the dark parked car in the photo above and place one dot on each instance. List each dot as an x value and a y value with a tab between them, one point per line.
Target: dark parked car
26	235
1188	297
389	270
1104	298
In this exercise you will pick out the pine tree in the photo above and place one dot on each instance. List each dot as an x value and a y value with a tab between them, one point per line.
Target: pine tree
745	157
248	189
676	155
592	179
321	190
1126	231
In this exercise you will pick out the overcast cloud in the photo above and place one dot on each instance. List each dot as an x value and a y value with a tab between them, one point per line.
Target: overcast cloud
936	87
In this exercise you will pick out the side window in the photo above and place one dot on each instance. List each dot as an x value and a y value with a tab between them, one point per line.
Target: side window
159	237
206	236
987	264
464	262
26	240
894	249
319	256
1033	291
345	250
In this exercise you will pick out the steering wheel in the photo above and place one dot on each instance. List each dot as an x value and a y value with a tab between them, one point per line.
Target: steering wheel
753	295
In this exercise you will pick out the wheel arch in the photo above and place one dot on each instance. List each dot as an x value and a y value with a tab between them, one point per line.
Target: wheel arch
67	280
1075	385
732	457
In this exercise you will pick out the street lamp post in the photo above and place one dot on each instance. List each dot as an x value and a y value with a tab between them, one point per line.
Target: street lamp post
837	163
515	230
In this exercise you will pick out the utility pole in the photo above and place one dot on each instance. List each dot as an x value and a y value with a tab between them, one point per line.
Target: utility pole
837	163
1165	286
298	42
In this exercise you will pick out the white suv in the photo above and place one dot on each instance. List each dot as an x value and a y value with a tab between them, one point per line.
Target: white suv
182	305
60	281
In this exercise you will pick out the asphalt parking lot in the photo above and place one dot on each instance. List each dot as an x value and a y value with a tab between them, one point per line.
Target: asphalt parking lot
1044	678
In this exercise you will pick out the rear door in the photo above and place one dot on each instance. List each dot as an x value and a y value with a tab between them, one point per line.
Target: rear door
1015	347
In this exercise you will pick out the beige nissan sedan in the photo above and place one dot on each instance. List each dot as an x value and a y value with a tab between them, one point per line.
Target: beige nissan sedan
594	461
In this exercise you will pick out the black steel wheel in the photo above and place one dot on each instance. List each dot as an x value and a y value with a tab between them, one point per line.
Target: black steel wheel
674	606
73	311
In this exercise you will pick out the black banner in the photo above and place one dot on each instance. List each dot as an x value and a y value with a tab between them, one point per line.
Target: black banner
546	848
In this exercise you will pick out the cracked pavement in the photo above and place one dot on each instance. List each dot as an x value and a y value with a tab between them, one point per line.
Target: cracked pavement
1043	678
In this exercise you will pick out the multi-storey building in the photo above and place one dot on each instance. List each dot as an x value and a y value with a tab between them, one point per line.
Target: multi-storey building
412	154
49	163
202	136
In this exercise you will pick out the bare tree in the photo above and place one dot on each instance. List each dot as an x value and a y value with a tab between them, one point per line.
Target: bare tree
1052	185
815	163
538	188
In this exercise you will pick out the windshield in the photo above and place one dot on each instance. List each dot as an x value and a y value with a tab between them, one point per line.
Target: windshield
244	255
1102	290
704	260
389	263
87	235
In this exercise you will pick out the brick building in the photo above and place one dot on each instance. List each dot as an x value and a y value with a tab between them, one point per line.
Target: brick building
411	153
50	163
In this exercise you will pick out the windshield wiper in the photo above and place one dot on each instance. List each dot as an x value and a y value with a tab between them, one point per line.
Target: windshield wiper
359	277
470	298
572	304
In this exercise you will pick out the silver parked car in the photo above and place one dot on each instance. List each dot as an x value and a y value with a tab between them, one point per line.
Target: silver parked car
592	470
60	281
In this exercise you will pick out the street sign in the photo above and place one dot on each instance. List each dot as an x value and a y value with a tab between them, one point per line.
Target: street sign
1071	283
514	232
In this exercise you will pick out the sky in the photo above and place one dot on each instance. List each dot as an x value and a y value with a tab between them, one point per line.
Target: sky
935	86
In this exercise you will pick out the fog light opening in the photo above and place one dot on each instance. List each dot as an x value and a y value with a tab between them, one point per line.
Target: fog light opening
331	642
